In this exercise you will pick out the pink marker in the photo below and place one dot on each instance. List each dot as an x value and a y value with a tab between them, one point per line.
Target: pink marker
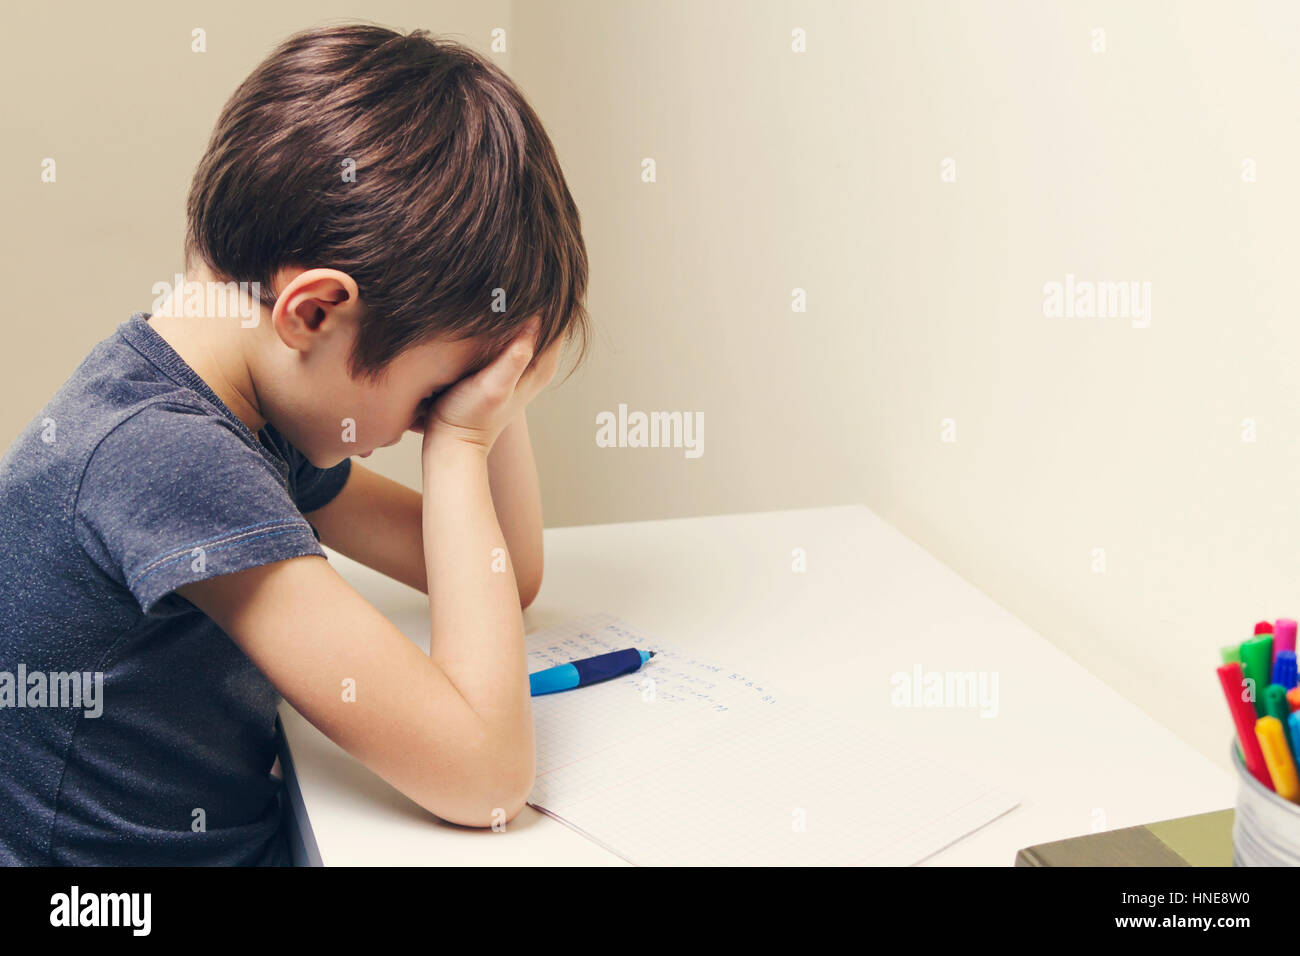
1283	636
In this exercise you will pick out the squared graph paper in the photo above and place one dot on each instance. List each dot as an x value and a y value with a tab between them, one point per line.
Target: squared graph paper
689	762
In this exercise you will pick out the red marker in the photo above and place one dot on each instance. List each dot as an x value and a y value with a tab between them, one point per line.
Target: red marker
1263	627
1243	716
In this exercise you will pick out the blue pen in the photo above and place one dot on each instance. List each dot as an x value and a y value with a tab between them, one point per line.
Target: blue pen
591	670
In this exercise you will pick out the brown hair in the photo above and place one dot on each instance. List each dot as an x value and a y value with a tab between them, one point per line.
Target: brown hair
457	191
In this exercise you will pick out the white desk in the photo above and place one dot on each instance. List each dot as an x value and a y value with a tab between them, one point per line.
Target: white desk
870	604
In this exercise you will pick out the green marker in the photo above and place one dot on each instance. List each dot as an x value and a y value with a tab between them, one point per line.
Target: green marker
1257	666
1275	704
1231	654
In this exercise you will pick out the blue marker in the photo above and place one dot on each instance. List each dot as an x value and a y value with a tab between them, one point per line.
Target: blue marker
1284	669
591	670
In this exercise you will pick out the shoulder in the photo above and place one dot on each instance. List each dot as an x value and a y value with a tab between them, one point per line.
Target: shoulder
173	494
172	454
168	441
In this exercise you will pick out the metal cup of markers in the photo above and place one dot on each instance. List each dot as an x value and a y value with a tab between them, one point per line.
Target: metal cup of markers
1266	827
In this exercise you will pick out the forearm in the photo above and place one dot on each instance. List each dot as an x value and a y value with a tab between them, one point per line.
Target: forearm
476	632
517	499
378	522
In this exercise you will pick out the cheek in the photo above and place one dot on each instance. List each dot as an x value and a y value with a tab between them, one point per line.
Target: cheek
342	419
383	418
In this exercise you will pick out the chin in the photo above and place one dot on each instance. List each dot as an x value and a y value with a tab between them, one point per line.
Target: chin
323	460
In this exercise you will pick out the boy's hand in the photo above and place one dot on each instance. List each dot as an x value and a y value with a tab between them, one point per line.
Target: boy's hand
478	408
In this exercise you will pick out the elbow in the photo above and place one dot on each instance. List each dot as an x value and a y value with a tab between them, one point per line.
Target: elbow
527	595
500	803
529	577
490	797
512	807
528	589
511	788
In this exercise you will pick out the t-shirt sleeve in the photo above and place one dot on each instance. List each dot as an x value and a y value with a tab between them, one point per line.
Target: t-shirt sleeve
309	486
174	495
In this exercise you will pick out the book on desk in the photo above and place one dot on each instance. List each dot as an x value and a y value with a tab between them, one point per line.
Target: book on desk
1201	840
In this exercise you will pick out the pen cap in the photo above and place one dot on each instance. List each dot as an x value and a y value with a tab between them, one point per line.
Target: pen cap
602	667
1284	669
1283	636
1265	827
1275	703
1263	627
1257	666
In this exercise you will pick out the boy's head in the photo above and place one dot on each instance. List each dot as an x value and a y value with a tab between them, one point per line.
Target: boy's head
400	190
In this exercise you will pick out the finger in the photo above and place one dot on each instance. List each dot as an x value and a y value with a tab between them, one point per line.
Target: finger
545	363
501	377
539	376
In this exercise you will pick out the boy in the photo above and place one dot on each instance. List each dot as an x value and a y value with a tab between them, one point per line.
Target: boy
413	260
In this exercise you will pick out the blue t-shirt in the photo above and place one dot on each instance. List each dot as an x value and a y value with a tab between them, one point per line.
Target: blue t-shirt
132	729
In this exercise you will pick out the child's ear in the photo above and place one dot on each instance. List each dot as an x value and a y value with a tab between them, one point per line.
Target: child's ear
312	302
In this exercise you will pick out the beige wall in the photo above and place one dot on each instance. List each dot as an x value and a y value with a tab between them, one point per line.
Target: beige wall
114	94
821	171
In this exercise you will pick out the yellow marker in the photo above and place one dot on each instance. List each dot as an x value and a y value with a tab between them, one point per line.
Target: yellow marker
1272	740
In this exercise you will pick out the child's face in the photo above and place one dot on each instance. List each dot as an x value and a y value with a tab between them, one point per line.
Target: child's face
339	416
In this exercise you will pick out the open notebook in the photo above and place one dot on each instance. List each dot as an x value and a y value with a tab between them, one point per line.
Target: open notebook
687	762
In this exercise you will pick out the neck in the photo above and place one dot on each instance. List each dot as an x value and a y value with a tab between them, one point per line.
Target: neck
215	348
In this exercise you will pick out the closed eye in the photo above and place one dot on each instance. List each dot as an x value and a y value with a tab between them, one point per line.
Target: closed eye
421	410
